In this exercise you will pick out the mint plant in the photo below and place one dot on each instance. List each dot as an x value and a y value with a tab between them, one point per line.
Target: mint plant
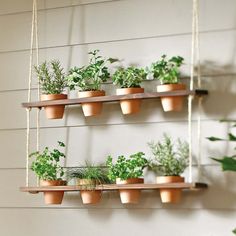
130	77
47	163
90	78
167	70
51	77
168	160
125	168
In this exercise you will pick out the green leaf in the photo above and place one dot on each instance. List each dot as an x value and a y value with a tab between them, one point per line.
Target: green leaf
234	231
228	163
214	139
232	137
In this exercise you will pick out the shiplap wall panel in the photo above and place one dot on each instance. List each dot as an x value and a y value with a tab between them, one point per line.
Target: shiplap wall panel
146	221
138	32
83	143
213	63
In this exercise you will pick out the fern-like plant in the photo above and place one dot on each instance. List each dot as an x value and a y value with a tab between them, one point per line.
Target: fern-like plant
51	77
169	160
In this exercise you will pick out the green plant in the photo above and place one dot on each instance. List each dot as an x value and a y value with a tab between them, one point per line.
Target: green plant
91	172
167	70
130	77
47	163
228	163
90	78
51	77
126	168
169	161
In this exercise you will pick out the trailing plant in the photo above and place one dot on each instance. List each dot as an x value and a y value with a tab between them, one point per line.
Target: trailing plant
228	163
169	160
130	77
90	78
51	77
167	70
91	172
125	168
47	163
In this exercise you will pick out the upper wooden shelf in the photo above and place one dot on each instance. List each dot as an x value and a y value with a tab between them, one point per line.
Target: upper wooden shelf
110	187
113	98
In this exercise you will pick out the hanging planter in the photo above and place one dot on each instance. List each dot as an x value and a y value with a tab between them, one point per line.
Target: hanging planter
54	112
167	72
89	195
91	108
171	195
52	82
89	80
130	106
128	171
171	103
53	197
46	166
129	81
130	196
88	178
170	162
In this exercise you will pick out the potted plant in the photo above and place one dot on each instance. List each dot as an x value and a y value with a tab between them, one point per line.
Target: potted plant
167	72
129	81
89	177
169	162
49	171
89	80
127	171
52	82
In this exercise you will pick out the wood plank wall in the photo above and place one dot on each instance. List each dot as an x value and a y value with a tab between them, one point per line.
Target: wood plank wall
138	32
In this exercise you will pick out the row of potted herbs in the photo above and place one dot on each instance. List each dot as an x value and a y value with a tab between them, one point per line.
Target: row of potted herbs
169	161
88	79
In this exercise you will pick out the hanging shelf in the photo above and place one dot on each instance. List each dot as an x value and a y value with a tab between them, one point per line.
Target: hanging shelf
114	98
111	187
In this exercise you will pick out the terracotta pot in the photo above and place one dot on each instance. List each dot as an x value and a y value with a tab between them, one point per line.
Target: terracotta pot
171	195
54	112
130	106
91	108
171	103
130	196
89	195
53	197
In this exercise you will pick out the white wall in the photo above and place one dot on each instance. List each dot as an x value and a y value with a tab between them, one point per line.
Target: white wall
139	32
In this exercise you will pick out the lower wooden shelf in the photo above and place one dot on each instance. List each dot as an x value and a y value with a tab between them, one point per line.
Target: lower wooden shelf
112	187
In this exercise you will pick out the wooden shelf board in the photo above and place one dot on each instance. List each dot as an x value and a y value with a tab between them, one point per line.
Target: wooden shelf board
111	187
114	98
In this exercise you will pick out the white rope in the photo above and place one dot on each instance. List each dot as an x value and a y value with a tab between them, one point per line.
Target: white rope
33	29
195	55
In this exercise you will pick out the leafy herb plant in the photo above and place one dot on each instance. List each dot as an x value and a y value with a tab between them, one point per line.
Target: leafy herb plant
47	164
90	78
126	168
167	70
130	77
228	163
51	77
169	161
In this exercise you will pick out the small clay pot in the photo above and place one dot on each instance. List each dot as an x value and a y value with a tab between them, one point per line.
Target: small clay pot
57	111
91	108
53	197
171	195
174	103
130	196
130	106
89	195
